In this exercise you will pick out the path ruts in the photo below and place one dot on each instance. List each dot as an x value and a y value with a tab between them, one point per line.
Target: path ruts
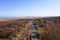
33	34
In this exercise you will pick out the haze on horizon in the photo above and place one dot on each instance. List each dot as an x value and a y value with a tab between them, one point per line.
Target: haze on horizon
31	8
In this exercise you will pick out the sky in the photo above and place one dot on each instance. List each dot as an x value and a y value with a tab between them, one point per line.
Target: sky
25	8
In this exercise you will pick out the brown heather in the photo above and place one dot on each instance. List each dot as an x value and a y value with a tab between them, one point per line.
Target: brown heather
48	28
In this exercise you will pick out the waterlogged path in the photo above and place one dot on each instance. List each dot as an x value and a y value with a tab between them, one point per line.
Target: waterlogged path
33	34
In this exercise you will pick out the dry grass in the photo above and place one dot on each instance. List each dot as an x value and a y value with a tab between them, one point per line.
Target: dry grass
48	28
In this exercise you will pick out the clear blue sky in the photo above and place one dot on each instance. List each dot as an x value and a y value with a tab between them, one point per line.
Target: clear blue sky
19	8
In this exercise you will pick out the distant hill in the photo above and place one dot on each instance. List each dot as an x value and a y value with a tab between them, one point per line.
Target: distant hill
17	18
